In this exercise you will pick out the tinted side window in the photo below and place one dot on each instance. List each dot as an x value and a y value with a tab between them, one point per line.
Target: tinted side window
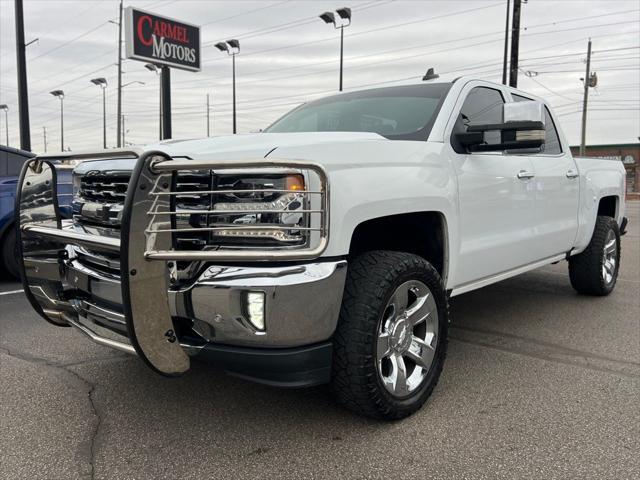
552	141
483	105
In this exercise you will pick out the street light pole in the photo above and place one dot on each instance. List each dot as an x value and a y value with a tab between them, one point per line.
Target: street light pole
60	95
6	120
119	74
121	119
345	15
23	96
102	83
232	47
208	123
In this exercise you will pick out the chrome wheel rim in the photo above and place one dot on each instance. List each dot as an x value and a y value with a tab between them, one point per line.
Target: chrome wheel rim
609	257
407	338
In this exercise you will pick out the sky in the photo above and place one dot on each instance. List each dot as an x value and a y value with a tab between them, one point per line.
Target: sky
289	56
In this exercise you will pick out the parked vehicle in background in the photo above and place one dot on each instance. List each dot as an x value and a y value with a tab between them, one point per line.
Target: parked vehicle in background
11	162
325	248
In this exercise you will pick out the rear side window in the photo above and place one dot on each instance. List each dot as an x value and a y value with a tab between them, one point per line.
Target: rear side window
552	141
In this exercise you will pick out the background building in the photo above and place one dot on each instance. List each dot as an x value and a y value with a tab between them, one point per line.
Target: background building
627	153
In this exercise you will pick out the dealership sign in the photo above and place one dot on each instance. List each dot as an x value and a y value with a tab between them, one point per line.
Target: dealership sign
162	41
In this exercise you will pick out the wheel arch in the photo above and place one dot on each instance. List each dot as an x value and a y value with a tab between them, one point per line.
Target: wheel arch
424	233
608	206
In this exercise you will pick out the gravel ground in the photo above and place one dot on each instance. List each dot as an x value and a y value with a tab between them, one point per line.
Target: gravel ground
539	383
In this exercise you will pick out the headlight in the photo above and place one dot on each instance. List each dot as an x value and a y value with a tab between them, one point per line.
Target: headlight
242	209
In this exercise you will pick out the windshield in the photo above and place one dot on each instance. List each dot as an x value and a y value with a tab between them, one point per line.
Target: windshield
403	113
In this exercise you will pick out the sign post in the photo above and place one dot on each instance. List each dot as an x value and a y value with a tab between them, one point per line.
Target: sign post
165	42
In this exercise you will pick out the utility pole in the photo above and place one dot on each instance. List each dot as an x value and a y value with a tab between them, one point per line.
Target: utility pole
123	130
515	43
119	76
44	137
587	83
23	95
506	45
233	57
208	133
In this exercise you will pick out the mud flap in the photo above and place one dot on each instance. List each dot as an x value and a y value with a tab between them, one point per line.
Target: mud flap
37	203
145	282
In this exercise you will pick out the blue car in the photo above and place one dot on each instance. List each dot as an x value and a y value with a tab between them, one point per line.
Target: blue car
11	162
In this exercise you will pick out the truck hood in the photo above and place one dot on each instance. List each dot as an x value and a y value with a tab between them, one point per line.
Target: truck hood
233	147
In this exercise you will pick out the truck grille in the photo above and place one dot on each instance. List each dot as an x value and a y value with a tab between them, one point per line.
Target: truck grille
193	183
104	187
109	190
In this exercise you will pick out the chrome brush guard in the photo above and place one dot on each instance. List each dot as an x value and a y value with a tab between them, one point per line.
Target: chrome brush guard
145	248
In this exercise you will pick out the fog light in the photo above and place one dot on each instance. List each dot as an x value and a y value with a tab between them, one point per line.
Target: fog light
255	309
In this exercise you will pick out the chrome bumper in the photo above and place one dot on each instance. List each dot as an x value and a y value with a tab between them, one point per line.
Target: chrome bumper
138	309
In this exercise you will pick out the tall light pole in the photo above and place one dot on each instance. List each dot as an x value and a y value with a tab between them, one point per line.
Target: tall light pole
232	47
208	120
121	121
152	68
345	16
102	83
60	95
119	74
23	96
6	120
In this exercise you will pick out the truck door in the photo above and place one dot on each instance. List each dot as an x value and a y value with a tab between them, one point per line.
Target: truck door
496	197
557	188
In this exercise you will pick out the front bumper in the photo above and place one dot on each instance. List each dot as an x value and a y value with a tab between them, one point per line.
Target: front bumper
118	296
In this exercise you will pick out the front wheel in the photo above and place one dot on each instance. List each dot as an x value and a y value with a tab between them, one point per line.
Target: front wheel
391	339
595	270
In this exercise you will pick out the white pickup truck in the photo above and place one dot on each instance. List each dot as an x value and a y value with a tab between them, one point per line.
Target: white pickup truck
325	248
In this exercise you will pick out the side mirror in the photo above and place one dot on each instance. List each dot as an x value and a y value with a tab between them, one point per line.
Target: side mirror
522	129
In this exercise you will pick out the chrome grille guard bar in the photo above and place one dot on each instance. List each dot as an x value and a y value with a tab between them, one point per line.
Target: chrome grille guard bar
145	245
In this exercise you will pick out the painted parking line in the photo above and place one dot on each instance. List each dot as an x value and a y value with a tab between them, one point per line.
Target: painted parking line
11	292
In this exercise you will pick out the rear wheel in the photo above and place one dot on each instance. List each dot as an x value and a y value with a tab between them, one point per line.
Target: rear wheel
391	339
595	270
10	253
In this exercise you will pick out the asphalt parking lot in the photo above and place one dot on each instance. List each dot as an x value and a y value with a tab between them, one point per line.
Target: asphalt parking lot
539	383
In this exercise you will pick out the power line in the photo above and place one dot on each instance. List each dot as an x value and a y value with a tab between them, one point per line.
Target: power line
82	35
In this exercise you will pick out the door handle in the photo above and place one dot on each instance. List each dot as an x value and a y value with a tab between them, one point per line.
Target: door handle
524	175
572	173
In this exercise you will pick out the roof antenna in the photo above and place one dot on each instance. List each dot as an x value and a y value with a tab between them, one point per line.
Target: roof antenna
430	75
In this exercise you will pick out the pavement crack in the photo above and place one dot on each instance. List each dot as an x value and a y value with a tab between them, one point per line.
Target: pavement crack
89	388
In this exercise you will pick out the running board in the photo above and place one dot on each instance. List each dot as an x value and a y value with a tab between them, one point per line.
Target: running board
504	275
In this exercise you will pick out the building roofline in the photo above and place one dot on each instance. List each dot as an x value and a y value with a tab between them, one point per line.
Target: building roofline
609	145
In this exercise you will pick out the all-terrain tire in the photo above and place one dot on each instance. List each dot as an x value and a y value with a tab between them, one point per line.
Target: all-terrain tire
371	281
586	270
10	253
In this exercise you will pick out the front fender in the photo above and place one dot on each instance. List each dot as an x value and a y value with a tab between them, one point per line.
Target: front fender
378	178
